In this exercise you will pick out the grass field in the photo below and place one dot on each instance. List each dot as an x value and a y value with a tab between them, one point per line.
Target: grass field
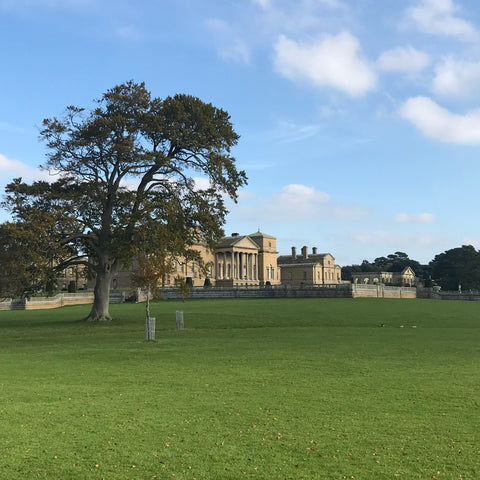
265	389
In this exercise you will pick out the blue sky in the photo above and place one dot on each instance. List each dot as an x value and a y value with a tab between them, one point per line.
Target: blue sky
359	119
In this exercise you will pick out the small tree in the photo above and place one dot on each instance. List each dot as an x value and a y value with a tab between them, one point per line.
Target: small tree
147	276
183	287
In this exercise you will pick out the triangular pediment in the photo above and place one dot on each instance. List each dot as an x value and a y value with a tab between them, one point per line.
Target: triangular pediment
408	271
237	242
245	242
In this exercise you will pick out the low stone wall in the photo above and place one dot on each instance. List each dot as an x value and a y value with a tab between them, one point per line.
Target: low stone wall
382	291
301	291
435	294
43	303
320	291
331	291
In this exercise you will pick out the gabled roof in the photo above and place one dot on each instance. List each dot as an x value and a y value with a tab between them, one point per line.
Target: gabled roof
261	234
301	260
242	241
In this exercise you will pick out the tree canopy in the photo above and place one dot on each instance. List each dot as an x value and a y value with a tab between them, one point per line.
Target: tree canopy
126	169
457	267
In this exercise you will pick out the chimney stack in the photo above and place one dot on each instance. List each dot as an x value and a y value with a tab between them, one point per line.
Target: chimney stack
314	250
235	234
294	253
305	252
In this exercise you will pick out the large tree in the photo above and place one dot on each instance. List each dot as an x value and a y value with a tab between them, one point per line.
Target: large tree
458	267
127	165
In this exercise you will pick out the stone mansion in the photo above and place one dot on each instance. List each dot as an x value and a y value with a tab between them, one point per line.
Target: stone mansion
248	260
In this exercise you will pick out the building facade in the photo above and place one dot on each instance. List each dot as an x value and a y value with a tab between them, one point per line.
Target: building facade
238	260
306	269
403	278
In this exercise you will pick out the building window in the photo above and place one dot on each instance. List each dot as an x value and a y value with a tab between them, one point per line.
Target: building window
304	275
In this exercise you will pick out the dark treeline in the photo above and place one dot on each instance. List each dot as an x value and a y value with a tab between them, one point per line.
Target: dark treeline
458	267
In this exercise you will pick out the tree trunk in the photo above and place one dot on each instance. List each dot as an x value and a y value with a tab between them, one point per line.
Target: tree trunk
101	297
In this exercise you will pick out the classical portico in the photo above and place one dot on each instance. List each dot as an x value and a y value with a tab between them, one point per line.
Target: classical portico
236	261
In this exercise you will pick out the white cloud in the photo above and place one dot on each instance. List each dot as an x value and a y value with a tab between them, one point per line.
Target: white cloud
10	169
230	45
456	77
304	200
439	17
403	59
439	124
296	202
333	62
414	218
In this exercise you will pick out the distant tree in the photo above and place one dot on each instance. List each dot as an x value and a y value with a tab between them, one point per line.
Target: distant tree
349	270
129	162
29	260
458	266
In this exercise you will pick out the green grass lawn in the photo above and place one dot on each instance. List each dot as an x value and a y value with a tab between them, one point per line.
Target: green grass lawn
265	389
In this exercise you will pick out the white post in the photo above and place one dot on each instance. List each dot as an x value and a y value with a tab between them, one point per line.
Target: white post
150	328
179	319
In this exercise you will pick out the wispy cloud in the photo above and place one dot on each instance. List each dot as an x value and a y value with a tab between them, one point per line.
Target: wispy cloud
455	77
403	60
288	131
440	17
230	45
440	124
414	218
284	16
334	61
